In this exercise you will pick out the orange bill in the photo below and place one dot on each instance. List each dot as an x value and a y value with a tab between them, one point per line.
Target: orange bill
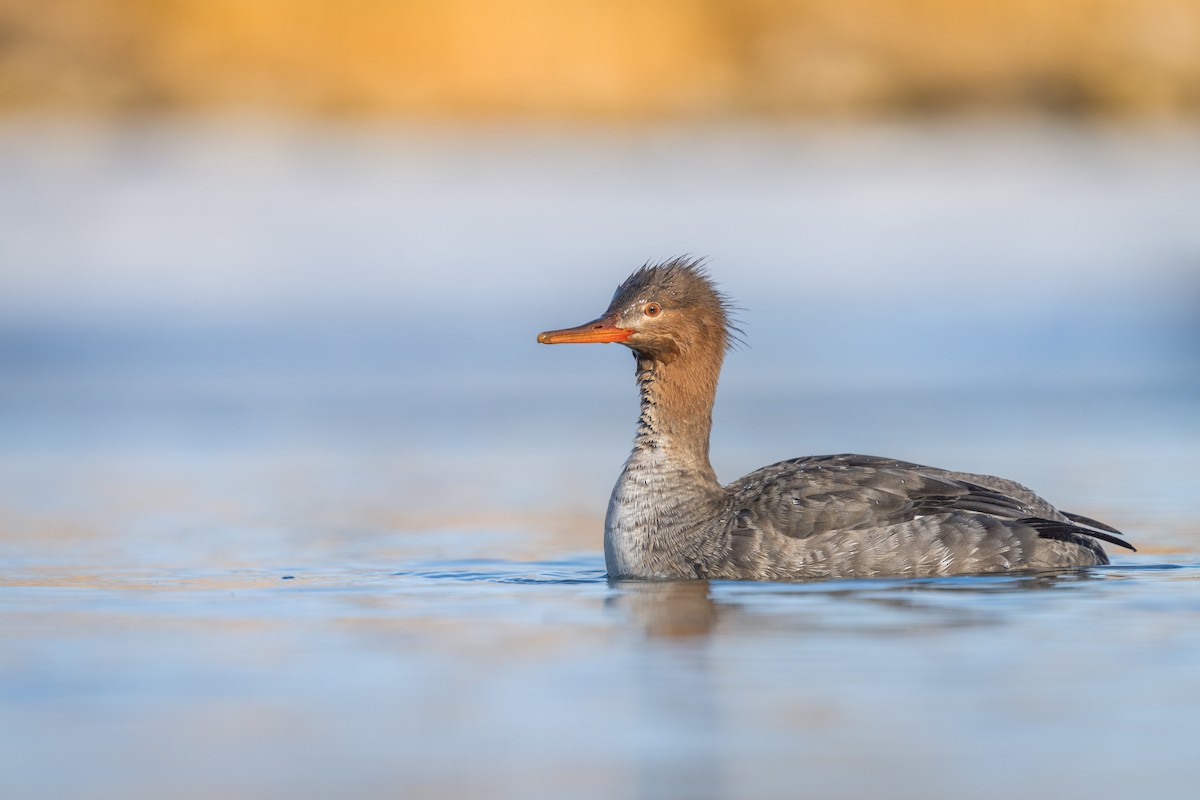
598	330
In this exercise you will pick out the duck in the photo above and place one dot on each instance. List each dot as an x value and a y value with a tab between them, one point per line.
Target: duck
809	518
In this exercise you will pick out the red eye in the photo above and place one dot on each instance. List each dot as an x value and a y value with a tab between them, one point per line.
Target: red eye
652	309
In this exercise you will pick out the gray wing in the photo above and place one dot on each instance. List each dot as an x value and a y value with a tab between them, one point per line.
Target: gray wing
808	497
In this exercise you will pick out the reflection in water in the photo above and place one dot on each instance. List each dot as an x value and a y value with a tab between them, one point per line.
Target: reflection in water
667	608
678	702
677	609
704	641
556	684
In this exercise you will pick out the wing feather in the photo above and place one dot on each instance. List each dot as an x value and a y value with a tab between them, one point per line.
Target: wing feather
807	497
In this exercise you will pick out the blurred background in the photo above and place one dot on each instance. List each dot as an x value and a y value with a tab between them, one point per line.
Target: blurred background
618	60
233	229
271	273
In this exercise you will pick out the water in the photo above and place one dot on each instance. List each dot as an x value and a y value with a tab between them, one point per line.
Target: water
292	505
468	676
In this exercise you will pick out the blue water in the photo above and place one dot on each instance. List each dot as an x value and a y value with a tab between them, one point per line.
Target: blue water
291	504
455	677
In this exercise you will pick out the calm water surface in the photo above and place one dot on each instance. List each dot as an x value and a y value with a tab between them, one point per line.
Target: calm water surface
486	676
292	505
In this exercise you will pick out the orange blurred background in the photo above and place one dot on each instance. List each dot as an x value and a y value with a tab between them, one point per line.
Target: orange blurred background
603	58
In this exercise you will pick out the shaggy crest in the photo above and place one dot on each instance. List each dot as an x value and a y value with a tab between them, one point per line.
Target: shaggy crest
682	282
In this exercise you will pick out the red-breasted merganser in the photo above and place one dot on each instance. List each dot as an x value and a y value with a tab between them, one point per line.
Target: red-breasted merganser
842	516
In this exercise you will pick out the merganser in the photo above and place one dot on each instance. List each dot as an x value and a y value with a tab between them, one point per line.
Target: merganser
839	516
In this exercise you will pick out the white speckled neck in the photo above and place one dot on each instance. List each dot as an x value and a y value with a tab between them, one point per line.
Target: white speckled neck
665	497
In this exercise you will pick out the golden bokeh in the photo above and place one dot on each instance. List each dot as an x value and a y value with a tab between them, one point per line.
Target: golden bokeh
603	58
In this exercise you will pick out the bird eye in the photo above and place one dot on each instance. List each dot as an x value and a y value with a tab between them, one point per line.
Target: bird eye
652	309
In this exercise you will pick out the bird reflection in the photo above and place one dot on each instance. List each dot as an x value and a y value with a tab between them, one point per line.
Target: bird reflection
667	608
690	673
682	609
679	701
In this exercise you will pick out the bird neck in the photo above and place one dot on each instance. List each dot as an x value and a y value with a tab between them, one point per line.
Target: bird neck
668	495
675	422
